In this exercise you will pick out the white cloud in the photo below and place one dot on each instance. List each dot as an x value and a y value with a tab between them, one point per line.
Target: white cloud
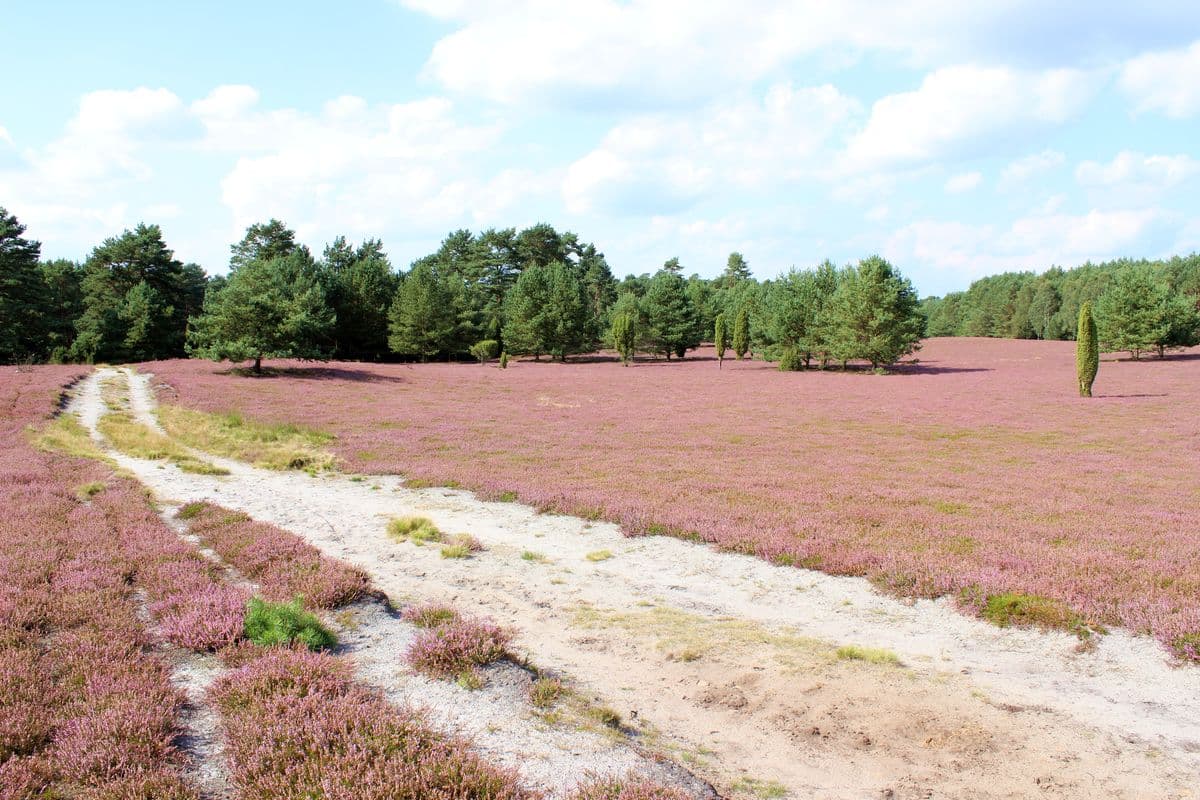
964	110
1167	81
1026	167
5	137
963	182
1032	242
660	163
1129	168
632	54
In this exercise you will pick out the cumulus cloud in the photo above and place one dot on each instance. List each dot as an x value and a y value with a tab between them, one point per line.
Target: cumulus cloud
633	53
963	182
1129	168
1026	167
964	251
660	163
1166	81
964	110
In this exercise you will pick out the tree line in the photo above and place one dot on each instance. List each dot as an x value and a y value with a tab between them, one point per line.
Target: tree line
536	292
1138	306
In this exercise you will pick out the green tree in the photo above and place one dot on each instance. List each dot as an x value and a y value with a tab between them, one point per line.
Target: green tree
423	321
1131	313
741	333
1087	351
361	287
624	335
736	270
264	241
62	304
547	311
875	315
269	308
21	306
720	339
1181	323
136	297
671	325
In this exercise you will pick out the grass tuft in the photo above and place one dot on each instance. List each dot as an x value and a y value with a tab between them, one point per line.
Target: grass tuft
545	692
269	624
871	655
533	555
417	530
65	434
599	555
190	511
430	615
87	491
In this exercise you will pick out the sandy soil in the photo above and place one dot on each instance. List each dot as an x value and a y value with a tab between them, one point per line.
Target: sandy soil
729	663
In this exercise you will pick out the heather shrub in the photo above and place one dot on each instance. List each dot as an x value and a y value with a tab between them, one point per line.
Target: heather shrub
456	647
429	615
417	530
269	624
630	788
204	621
298	727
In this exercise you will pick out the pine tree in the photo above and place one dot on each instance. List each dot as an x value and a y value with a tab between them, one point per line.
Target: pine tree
422	320
720	339
547	311
21	318
671	326
270	308
1130	315
1087	351
736	270
741	333
875	315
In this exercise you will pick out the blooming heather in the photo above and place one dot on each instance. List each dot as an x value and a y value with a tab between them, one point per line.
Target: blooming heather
978	470
456	646
298	727
283	564
86	708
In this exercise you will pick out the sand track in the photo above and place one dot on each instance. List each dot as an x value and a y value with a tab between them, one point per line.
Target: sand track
727	662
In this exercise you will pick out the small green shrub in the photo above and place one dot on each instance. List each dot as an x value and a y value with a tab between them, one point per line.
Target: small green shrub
605	716
791	360
504	360
270	624
485	350
417	530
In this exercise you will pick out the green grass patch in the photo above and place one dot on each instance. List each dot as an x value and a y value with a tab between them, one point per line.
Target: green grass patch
533	555
767	790
87	491
456	551
270	624
281	446
599	555
1029	610
64	434
417	530
871	655
190	510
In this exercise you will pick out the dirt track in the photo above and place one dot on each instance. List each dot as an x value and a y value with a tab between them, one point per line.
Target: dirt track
729	664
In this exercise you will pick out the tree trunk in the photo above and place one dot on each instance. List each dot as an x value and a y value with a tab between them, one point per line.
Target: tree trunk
258	365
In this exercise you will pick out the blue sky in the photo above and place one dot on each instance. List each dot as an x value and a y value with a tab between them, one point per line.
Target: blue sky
956	139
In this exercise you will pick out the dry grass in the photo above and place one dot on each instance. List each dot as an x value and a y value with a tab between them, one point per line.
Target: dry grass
871	655
64	434
279	447
135	439
417	530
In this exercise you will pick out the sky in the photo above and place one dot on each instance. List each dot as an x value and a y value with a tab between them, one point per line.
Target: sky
955	139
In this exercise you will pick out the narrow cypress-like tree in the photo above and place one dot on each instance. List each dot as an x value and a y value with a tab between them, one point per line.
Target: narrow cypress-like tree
741	333
720	338
624	335
1087	351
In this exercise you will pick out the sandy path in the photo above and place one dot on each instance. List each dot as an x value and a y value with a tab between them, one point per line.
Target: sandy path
729	658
